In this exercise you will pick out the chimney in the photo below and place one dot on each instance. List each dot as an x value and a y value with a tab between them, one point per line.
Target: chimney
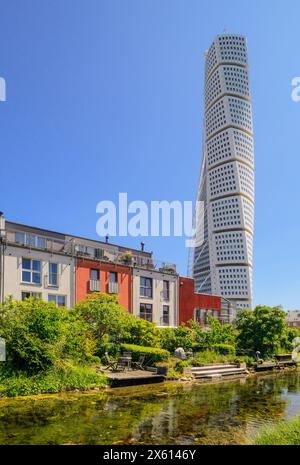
142	246
106	238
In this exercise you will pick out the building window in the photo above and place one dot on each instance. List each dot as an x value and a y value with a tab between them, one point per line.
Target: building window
200	315
166	290
33	295
146	287
94	285
113	286
59	300
53	274
113	277
166	315
210	313
94	274
30	240
31	271
87	250
146	312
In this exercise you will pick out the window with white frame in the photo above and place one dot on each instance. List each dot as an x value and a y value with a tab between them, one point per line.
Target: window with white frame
53	274
59	300
31	240
166	290
166	315
33	295
31	271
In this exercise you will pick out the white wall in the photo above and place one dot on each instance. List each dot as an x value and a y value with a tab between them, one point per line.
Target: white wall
13	274
157	300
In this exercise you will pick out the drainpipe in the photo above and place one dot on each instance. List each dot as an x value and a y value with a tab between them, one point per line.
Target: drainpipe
1	254
2	236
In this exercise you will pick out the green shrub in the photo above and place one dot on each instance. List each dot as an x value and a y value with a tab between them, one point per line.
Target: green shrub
106	318
250	361
208	357
141	332
38	334
172	338
113	349
215	333
153	354
263	329
224	349
65	378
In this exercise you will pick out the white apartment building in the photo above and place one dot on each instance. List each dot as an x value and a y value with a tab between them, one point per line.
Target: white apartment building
155	296
221	262
44	264
36	263
293	318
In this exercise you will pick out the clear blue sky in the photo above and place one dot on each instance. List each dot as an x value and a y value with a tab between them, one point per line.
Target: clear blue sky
106	97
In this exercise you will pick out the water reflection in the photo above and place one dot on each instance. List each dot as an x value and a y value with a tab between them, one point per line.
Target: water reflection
223	413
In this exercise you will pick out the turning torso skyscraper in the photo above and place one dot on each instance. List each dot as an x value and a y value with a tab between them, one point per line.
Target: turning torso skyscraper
222	259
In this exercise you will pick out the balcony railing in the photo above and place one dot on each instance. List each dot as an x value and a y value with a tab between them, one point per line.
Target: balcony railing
94	285
33	241
113	288
72	247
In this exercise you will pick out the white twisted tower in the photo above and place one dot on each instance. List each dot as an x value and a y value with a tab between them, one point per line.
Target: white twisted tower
222	258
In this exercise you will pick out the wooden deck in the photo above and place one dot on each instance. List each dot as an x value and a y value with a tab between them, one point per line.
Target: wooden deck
270	366
133	378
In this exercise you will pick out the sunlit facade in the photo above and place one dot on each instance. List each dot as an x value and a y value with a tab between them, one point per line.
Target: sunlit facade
222	259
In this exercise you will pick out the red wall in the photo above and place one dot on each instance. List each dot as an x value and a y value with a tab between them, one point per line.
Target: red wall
83	267
189	300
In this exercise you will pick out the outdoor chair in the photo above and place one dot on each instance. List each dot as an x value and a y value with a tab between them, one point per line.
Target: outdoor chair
139	365
127	354
111	363
125	361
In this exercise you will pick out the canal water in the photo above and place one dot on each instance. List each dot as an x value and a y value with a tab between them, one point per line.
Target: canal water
221	413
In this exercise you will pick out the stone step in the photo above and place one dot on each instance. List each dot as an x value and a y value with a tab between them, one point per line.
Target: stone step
219	373
213	367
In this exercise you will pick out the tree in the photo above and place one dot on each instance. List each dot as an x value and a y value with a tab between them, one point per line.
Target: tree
264	329
38	334
172	338
214	334
141	332
105	316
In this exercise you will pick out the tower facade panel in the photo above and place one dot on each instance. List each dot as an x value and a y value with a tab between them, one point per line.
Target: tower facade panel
222	259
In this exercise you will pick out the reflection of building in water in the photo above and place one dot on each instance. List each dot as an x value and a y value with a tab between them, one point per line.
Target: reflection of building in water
161	422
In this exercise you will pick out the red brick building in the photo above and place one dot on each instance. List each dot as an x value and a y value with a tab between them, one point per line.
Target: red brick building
97	276
197	307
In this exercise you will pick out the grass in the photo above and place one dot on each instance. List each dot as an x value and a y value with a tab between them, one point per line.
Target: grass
283	433
209	356
67	377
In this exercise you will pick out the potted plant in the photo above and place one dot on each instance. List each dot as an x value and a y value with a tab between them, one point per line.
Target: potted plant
162	368
127	257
